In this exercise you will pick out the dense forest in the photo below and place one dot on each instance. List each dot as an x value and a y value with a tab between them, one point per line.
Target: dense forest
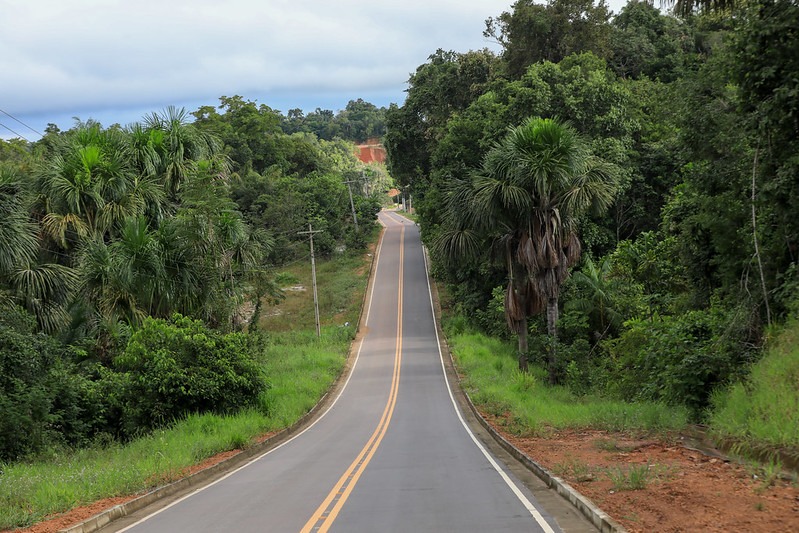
617	192
134	260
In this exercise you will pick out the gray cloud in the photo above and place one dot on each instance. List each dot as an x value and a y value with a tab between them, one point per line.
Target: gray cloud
93	58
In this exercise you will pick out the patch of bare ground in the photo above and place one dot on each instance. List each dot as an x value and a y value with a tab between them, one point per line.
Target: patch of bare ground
685	490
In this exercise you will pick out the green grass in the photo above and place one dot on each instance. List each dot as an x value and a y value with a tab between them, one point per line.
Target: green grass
410	216
765	408
632	478
31	491
299	367
530	407
577	470
341	283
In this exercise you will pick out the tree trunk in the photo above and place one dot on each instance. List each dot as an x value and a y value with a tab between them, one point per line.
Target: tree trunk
523	345
552	331
754	239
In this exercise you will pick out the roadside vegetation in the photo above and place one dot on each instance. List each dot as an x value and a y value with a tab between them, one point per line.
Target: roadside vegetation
140	267
298	368
616	195
526	405
760	414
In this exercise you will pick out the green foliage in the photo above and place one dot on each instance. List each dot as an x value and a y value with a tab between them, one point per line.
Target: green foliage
529	406
358	122
439	89
646	42
679	359
172	368
762	408
766	68
533	32
44	399
649	276
633	478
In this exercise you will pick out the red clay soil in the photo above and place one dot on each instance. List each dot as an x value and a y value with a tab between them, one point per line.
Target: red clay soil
685	491
371	152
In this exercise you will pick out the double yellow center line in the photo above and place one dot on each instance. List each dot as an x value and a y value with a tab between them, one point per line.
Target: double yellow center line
327	512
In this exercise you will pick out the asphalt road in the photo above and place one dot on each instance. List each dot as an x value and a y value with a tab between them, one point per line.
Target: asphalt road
391	454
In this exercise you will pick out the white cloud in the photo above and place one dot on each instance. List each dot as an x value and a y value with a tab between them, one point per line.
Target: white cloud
91	57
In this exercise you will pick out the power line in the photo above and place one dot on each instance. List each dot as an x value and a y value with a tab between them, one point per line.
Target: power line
14	132
18	120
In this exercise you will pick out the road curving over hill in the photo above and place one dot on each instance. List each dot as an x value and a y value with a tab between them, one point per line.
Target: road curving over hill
393	452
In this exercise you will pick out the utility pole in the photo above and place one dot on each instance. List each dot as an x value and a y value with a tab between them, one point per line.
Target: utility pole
311	232
352	205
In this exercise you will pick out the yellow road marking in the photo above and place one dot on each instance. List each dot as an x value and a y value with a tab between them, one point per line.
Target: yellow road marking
327	512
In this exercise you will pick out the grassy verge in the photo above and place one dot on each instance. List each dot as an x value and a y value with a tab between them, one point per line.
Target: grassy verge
529	407
764	410
299	367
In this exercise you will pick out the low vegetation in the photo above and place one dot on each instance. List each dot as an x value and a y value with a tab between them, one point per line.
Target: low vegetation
762	409
297	368
527	405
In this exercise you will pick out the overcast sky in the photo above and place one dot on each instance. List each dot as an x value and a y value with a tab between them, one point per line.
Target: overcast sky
117	60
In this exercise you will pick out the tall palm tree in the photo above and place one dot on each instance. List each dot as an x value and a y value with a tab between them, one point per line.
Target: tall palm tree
88	187
43	289
175	146
524	201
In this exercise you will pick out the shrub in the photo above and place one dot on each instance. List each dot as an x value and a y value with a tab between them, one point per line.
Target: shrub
172	368
44	400
679	359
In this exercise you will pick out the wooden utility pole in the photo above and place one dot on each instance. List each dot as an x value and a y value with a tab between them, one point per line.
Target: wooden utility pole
352	205
311	232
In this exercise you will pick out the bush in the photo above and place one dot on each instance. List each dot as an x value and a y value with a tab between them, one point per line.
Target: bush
44	401
176	367
679	359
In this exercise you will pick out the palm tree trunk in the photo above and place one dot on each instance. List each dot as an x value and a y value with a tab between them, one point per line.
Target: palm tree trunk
552	331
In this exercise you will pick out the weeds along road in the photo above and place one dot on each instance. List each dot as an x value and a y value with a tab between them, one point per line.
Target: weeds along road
391	454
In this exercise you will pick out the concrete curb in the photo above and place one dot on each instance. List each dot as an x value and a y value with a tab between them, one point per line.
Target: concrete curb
201	478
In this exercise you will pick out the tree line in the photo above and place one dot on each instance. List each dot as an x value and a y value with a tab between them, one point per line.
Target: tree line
133	259
618	191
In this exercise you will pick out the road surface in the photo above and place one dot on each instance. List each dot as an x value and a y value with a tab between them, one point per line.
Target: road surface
391	454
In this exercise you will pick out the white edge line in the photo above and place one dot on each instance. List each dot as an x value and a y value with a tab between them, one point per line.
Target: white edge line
519	494
330	407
